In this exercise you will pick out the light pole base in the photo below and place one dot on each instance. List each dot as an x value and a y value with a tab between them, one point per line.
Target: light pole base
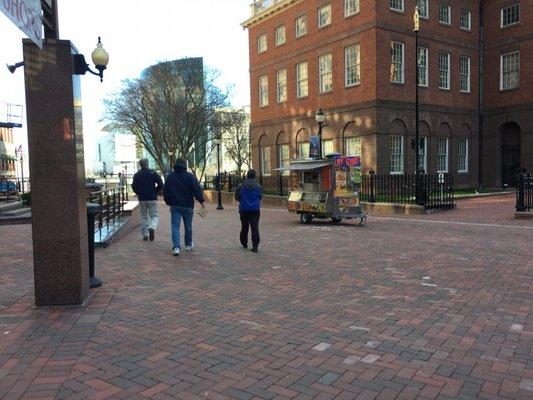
220	207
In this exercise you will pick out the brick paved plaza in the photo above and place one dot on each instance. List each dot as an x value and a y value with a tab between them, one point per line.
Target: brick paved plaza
410	307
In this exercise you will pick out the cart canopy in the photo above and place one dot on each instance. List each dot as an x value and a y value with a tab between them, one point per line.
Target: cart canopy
305	165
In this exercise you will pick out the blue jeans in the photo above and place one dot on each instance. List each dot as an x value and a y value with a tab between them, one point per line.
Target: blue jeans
176	214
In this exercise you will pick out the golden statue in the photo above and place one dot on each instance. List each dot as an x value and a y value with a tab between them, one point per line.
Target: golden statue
416	20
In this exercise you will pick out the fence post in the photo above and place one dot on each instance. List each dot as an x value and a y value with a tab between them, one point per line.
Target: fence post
280	184
372	197
261	179
520	205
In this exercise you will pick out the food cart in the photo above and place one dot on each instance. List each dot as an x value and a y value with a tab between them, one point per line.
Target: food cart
326	188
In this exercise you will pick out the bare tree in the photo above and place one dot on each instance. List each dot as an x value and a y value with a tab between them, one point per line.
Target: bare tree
169	110
235	130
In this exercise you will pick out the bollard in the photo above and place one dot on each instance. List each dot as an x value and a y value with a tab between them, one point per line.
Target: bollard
92	211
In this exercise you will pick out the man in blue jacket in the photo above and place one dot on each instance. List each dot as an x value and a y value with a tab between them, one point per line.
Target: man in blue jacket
181	188
146	184
249	194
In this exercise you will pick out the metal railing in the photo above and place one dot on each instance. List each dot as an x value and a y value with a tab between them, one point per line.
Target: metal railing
111	204
436	190
228	182
524	192
13	188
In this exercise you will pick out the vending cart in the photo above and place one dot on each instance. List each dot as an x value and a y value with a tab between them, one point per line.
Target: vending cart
326	188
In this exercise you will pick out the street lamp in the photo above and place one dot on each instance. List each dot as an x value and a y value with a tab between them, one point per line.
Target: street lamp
320	118
21	172
100	59
217	142
416	28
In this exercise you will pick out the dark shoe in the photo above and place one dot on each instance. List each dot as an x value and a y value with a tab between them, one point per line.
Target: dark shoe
255	250
145	237
244	245
152	234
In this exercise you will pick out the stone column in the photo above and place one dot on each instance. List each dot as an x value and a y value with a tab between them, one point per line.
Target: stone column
55	142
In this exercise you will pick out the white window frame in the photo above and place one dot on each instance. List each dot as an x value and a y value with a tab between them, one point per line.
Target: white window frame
300	80
278	36
444	70
503	73
439	154
266	166
352	65
351	7
502	19
297	32
396	63
356	144
468	14
448	14
284	161
423	154
324	15
263	90
328	142
281	85
325	73
397	5
394	153
464	74
423	70
419	3
262	44
462	158
301	147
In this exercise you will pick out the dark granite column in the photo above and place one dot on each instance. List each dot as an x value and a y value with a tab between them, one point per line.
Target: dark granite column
55	142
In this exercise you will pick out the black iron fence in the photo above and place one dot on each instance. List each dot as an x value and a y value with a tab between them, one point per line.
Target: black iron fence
228	182
524	192
111	204
13	188
435	191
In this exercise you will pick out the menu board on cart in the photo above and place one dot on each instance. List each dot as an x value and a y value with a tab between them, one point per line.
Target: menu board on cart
347	177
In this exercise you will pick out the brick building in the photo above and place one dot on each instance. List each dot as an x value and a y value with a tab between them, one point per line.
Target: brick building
355	59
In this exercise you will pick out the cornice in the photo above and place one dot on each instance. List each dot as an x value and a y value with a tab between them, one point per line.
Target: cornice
269	12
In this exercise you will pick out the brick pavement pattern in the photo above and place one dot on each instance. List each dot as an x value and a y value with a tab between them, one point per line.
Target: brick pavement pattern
425	307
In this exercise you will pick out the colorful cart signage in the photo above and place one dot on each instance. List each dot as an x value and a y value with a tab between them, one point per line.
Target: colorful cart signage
314	146
348	161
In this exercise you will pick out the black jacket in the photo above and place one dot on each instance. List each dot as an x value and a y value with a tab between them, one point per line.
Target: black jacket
146	184
181	188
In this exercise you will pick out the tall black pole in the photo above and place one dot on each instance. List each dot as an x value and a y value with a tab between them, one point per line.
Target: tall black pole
22	173
219	193
320	140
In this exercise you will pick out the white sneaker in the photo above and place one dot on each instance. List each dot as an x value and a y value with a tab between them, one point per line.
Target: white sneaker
176	251
189	248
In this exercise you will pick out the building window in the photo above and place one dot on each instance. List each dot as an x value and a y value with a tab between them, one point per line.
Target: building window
284	158
445	13
325	73
324	15
509	70
423	9
423	77
262	43
464	74
301	80
327	147
353	146
280	35
303	150
444	70
462	155
466	20
396	5
263	91
352	65
510	15
422	154
442	155
300	25
282	85
265	161
351	7
396	67
396	154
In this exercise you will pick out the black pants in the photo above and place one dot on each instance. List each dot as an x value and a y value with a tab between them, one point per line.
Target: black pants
250	219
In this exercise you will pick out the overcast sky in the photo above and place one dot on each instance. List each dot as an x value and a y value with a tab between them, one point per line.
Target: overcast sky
137	34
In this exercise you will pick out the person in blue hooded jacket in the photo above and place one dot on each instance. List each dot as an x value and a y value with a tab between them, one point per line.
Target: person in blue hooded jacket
249	194
180	190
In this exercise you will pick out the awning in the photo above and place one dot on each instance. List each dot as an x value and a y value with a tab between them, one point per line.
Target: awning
304	166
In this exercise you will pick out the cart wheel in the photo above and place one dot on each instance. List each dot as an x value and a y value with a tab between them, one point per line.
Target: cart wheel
362	222
336	220
305	218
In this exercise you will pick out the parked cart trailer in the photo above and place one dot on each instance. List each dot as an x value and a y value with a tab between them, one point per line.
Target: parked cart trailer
326	188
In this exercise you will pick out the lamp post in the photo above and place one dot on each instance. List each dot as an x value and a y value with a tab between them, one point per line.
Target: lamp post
21	172
100	59
218	142
170	161
416	28
319	117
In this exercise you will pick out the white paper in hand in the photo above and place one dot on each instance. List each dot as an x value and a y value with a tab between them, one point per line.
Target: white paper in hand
202	212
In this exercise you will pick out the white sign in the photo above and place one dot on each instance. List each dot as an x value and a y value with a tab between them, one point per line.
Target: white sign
27	16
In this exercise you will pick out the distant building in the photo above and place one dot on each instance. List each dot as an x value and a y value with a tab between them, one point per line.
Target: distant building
116	151
356	60
10	117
